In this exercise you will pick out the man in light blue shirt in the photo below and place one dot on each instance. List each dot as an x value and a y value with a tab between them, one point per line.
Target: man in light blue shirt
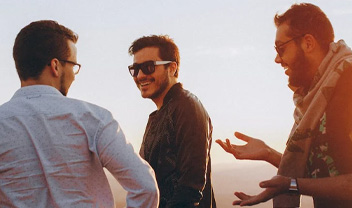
52	148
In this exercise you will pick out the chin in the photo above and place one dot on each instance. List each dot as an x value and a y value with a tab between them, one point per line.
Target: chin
294	82
145	95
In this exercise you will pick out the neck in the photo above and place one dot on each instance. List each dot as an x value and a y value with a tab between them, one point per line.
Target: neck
43	79
31	81
315	61
159	101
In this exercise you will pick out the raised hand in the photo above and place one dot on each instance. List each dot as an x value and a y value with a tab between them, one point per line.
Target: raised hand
255	149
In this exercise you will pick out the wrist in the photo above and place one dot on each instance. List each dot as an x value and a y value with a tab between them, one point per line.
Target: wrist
293	188
273	157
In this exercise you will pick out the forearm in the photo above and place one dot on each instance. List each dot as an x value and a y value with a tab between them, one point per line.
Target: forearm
338	187
273	157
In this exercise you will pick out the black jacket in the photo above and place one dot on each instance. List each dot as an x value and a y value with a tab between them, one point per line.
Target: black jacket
176	144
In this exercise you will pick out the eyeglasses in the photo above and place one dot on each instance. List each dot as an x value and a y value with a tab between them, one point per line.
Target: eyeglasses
280	50
76	66
147	67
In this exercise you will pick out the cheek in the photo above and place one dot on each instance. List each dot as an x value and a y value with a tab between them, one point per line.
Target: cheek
72	78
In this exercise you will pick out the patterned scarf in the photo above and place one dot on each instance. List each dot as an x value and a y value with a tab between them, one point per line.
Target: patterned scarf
309	110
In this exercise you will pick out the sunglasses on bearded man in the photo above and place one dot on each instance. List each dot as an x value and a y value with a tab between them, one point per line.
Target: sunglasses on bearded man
147	67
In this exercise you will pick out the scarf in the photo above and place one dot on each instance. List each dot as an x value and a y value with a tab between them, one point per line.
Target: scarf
310	108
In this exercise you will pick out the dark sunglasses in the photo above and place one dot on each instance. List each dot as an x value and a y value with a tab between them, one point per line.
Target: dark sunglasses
280	49
147	67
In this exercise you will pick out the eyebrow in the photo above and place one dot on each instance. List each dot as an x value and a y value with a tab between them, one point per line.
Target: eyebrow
142	62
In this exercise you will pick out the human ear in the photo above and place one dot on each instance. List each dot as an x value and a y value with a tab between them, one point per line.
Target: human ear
173	68
309	43
54	67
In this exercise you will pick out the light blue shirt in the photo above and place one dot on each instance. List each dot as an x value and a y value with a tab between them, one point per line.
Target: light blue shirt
53	150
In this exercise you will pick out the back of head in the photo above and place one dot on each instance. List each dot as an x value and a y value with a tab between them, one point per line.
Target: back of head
37	44
167	48
307	18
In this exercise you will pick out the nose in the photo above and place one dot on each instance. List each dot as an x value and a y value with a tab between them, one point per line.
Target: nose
278	59
140	74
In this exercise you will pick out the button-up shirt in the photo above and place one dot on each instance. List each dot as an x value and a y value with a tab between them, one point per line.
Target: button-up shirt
53	150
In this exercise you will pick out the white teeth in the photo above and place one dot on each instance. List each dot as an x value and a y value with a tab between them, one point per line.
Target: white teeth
145	83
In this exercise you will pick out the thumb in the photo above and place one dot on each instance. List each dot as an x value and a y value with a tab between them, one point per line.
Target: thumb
242	137
266	184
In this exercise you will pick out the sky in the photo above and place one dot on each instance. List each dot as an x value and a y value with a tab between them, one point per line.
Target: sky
227	58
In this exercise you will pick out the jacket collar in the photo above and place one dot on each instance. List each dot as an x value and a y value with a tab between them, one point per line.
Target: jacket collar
174	90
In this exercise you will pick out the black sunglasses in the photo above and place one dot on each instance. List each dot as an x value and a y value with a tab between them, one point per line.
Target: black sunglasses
280	50
147	67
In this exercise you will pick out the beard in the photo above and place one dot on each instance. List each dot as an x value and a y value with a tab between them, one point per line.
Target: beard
300	76
158	87
162	86
62	89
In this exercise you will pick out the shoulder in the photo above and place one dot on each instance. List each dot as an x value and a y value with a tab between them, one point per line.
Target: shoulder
88	110
186	99
344	84
340	105
186	105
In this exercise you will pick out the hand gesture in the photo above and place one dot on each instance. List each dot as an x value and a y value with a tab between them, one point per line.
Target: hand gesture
255	149
277	185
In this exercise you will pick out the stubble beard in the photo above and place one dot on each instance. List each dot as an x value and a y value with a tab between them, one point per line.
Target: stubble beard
160	87
62	84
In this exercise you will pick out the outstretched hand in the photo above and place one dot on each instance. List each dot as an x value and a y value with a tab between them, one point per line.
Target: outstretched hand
255	149
277	185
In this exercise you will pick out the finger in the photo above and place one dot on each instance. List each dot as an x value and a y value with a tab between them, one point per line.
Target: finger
219	141
228	143
242	137
265	184
251	201
244	199
242	195
223	145
268	184
236	202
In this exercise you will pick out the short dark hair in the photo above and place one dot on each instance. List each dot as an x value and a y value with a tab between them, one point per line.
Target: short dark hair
168	51
37	44
307	18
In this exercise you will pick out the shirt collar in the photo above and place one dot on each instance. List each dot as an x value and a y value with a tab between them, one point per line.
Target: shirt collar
35	90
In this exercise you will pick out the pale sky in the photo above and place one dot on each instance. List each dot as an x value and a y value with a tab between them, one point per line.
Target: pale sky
226	48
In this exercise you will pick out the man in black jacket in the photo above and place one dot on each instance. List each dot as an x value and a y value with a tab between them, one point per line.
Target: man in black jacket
177	138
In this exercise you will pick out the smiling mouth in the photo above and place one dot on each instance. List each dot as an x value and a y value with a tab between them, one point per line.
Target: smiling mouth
286	68
143	84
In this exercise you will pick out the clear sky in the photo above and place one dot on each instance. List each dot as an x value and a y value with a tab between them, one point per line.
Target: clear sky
226	48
